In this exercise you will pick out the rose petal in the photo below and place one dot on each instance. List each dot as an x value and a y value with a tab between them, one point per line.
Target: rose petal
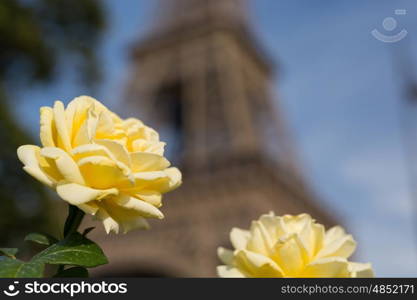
143	161
117	149
127	219
90	208
175	179
307	237
90	150
229	272
101	172
134	223
86	132
256	265
105	125
47	127
110	225
151	181
64	163
330	267
361	270
64	140
76	194
295	224
319	233
334	233
152	197
141	145
225	255
343	246
291	255
28	154
273	225
239	238
260	240
143	208
137	130
77	109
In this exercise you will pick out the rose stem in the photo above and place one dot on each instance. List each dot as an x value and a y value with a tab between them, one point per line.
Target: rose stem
74	219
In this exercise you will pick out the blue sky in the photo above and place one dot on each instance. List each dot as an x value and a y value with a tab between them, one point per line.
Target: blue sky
341	97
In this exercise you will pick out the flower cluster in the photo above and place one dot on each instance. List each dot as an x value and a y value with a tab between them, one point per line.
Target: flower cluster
290	246
108	167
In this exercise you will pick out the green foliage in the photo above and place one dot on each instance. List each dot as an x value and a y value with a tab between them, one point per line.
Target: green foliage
38	38
23	201
14	268
38	35
39	238
74	250
78	272
10	252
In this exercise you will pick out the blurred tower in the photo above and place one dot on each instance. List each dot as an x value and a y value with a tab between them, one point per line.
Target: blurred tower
202	80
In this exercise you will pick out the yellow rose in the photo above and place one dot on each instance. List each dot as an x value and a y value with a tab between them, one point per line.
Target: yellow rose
111	168
290	246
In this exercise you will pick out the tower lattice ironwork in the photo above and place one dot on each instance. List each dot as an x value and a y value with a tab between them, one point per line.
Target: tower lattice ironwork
201	78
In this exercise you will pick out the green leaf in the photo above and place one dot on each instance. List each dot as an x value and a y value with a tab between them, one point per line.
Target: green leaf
78	272
10	252
43	239
73	250
14	268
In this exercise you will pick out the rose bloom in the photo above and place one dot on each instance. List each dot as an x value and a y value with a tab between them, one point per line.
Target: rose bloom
290	246
108	167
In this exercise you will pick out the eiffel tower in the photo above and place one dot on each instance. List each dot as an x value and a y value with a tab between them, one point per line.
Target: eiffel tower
200	77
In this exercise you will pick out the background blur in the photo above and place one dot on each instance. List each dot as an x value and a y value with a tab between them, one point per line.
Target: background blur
347	98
